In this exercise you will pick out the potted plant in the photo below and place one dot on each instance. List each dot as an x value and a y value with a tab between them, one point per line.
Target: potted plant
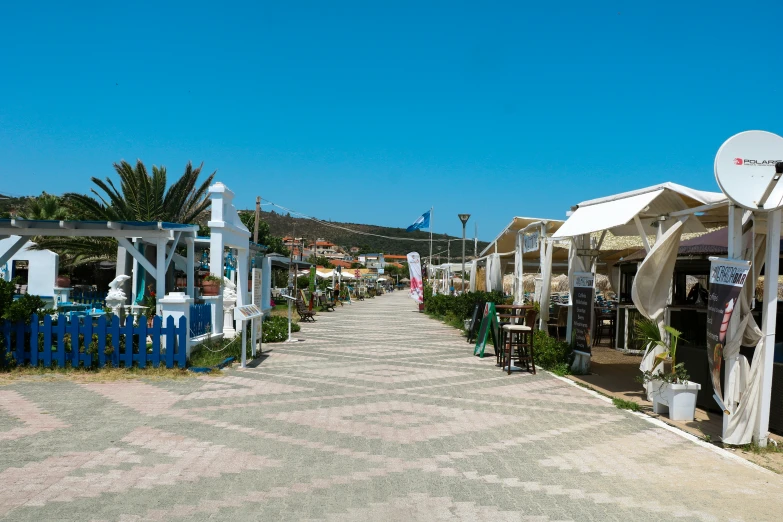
210	285
671	390
63	281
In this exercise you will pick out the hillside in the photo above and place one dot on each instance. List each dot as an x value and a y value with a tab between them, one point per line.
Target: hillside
285	225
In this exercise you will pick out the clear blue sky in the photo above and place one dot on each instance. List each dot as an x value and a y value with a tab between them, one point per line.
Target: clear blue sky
359	112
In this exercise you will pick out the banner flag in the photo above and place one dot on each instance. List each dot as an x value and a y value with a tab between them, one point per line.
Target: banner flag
727	276
422	222
417	288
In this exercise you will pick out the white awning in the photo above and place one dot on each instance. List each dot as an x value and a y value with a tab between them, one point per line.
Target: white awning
616	213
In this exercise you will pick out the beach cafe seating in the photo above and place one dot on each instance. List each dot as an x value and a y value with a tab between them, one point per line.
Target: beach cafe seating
520	336
305	314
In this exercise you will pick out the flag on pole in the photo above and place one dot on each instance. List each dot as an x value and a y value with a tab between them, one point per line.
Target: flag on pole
422	222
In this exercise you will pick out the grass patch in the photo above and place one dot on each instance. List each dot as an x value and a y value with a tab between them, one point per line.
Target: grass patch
625	405
758	450
38	373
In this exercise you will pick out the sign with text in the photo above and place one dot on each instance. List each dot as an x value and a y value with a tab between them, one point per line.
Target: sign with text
727	276
530	242
257	287
584	283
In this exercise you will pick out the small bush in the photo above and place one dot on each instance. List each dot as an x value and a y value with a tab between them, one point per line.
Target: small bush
275	329
551	354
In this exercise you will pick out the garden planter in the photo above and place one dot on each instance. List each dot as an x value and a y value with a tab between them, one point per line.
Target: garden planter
63	282
210	288
678	399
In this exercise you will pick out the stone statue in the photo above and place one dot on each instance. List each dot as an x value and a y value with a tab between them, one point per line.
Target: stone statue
229	289
115	292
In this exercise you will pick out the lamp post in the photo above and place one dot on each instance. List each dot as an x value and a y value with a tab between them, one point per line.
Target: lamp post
464	218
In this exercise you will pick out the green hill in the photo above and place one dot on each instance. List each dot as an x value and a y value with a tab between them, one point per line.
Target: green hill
286	225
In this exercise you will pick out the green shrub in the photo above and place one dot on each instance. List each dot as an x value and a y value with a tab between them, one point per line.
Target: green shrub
460	306
275	329
551	354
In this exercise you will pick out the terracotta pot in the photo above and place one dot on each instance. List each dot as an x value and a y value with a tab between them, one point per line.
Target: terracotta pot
210	288
63	282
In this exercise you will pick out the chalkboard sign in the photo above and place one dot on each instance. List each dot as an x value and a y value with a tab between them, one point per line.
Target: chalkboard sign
475	321
583	310
489	324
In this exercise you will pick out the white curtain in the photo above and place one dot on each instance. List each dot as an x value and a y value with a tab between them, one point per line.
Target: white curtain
744	384
473	268
519	290
546	274
494	275
650	292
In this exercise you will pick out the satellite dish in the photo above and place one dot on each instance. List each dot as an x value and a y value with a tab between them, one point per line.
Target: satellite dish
746	173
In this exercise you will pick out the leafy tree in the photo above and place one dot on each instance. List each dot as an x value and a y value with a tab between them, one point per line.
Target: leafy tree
140	197
273	243
46	206
320	261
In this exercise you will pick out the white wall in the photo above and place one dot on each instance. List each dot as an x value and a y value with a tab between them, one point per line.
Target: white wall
43	267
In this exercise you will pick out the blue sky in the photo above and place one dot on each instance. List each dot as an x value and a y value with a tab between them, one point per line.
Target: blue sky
374	111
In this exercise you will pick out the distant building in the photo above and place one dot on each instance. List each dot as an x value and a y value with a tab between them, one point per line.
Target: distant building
355	250
373	261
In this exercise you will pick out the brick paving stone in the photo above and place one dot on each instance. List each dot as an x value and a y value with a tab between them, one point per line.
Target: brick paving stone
381	414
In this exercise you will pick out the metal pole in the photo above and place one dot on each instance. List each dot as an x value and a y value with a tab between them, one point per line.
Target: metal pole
463	257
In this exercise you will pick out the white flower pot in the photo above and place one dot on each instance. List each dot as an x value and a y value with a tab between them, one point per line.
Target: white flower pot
678	399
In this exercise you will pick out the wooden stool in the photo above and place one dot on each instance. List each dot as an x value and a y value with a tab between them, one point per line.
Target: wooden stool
521	338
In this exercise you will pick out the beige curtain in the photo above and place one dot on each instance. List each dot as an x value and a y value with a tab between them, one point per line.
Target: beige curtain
744	387
546	274
650	292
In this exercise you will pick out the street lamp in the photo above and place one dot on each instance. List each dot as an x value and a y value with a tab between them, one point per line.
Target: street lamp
464	218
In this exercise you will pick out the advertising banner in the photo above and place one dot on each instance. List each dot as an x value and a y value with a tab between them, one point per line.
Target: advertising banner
417	288
727	276
583	299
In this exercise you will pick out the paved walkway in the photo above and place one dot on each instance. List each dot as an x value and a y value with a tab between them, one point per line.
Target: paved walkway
382	414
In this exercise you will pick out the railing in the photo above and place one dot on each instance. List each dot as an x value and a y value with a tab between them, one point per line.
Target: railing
59	342
89	297
200	319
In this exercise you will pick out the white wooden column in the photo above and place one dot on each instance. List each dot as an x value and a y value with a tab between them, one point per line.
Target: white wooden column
191	266
160	271
769	319
242	270
734	252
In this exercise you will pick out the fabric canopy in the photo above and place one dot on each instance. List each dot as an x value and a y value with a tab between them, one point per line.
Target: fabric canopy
616	213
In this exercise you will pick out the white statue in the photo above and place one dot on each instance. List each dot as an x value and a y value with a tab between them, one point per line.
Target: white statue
229	289
115	292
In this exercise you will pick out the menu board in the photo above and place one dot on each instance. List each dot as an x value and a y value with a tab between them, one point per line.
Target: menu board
583	298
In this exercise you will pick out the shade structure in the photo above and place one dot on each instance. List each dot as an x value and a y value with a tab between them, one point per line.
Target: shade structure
616	213
506	239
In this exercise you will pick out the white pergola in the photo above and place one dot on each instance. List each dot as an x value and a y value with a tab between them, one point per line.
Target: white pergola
129	234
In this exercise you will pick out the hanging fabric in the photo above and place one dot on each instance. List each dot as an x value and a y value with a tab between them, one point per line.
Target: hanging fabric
744	386
546	276
650	291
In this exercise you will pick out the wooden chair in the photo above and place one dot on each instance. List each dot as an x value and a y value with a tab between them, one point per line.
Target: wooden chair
521	338
305	314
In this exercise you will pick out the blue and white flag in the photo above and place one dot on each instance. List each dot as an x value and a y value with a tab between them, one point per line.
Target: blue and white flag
422	222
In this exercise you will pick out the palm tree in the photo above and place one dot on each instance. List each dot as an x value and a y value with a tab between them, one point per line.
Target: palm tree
46	206
140	197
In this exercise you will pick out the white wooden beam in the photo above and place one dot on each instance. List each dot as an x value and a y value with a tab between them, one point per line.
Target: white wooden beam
642	233
13	249
173	249
702	208
138	256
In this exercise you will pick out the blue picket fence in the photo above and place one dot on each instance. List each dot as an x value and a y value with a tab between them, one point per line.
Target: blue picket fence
90	297
57	342
200	319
